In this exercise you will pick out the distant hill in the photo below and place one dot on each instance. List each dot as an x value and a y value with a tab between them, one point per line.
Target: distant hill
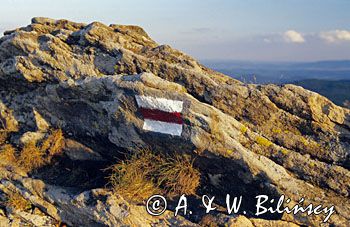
337	91
282	72
325	65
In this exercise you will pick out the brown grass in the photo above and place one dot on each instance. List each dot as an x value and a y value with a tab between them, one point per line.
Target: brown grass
145	173
54	143
3	137
8	154
33	156
132	184
178	176
131	178
17	202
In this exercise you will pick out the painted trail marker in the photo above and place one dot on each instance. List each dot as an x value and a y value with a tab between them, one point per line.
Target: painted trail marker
161	115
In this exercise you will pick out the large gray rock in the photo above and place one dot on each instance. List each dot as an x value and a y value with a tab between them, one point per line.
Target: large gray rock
260	139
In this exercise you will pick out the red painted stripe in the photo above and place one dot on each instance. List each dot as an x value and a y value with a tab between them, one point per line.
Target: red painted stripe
159	115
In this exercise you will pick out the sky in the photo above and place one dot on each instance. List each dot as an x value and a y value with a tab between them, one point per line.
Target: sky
254	30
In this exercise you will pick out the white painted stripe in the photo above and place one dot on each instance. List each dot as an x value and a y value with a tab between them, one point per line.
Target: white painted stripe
163	127
162	104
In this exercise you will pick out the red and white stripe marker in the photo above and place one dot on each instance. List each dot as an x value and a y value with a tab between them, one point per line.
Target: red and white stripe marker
161	115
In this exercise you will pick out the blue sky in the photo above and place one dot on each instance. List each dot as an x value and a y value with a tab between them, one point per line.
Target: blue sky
256	30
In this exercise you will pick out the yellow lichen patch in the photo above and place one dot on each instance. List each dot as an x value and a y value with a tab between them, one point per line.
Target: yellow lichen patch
276	130
243	129
229	152
183	89
315	145
285	152
312	164
304	141
263	141
116	68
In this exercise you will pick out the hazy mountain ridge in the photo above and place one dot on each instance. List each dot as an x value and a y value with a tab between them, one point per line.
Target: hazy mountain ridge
282	72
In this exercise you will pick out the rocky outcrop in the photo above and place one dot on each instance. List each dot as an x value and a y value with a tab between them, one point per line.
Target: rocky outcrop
259	139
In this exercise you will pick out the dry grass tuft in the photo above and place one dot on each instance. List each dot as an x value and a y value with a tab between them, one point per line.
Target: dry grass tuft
54	143
132	184
31	157
178	176
131	178
8	154
17	202
3	137
145	173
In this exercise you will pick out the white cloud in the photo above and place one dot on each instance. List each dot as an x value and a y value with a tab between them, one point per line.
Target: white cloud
292	36
335	36
267	40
